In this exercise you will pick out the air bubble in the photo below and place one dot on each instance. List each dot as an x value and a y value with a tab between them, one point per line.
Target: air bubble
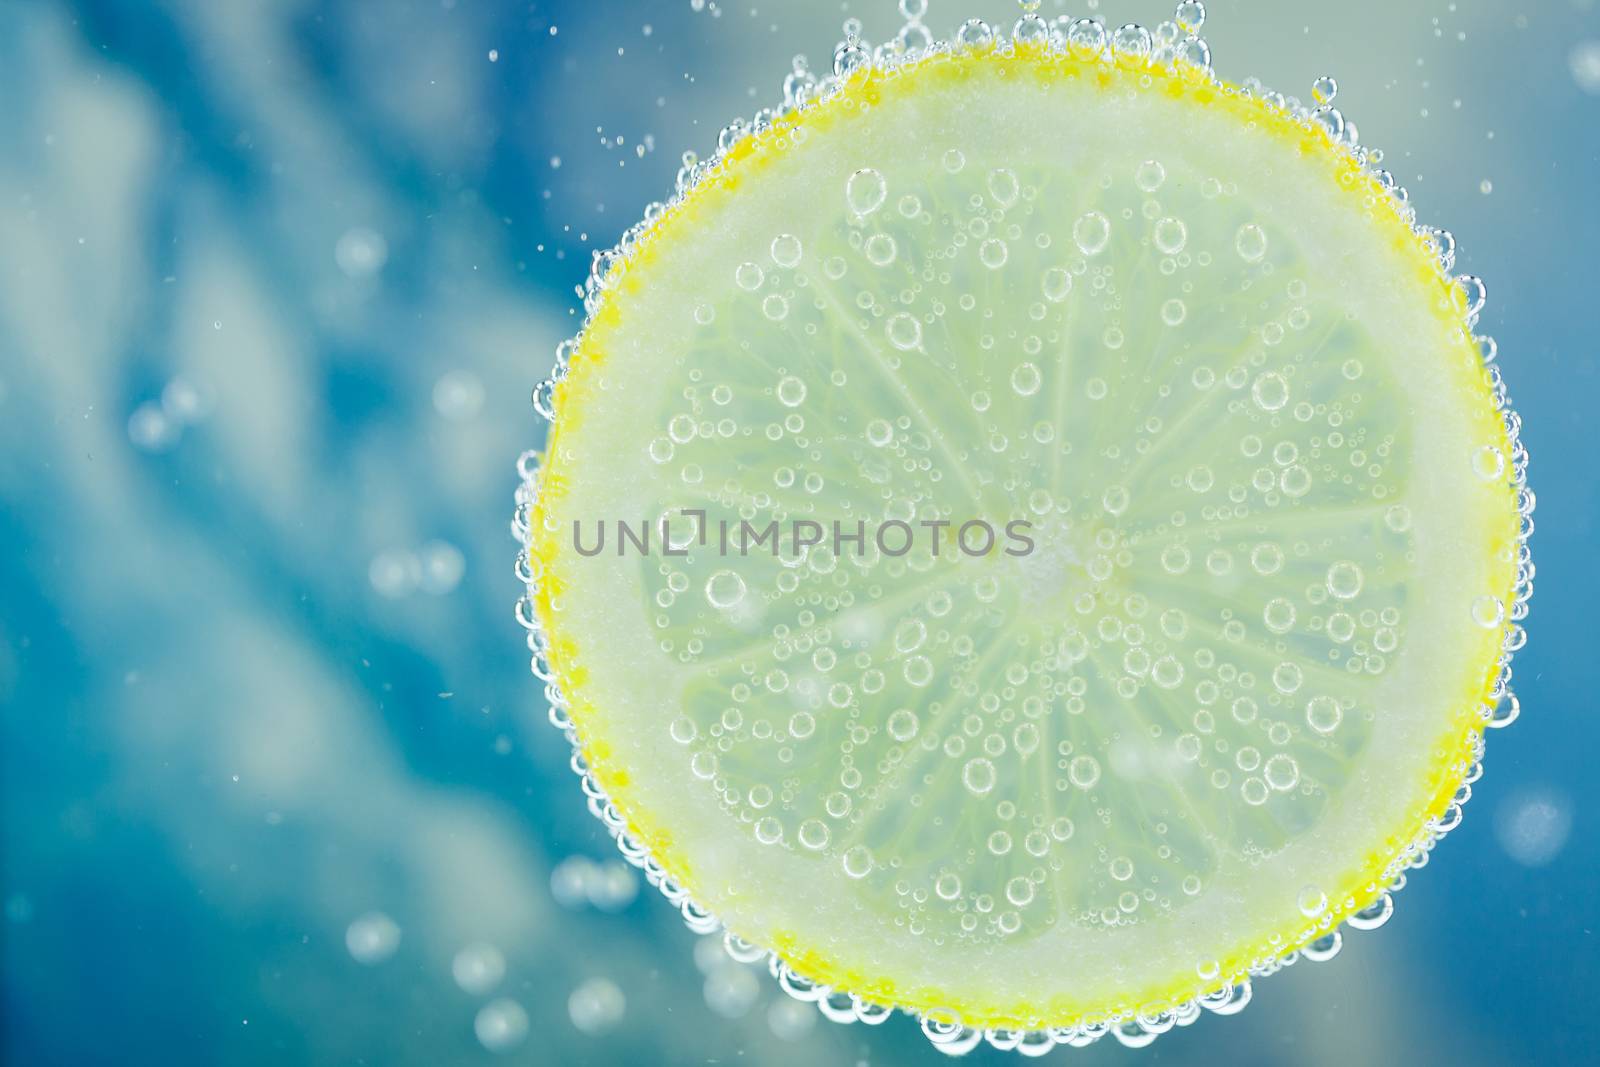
1171	235
1270	391
724	590
865	191
1488	463
1087	38
1131	41
1003	187
1323	714
904	331
978	776
1281	772
974	33
1084	772
1344	579
881	249
1488	612
993	253
813	834
1057	283
749	276
1026	379
786	250
857	861
1091	233
1250	242
1311	901
903	724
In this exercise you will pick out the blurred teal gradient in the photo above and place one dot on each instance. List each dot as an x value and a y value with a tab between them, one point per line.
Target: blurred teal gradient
276	277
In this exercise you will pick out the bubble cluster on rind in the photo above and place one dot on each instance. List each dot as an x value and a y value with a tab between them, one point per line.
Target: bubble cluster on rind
1167	67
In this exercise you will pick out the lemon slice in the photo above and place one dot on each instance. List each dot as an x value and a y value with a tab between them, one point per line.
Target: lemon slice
1220	672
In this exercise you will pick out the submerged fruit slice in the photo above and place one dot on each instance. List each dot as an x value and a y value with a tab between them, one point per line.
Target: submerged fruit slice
1195	352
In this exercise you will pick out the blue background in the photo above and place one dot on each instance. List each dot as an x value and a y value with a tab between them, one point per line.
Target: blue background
276	277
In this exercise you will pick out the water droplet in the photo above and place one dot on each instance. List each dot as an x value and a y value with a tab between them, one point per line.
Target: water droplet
791	391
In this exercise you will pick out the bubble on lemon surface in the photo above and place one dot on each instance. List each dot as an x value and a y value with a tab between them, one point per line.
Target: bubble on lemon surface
1231	510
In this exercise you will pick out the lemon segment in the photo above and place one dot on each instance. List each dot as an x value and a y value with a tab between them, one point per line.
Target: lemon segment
1199	356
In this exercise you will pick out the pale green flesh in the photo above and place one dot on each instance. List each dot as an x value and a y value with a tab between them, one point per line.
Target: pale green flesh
1122	682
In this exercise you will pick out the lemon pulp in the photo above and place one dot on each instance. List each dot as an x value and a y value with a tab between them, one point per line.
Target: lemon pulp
1199	352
